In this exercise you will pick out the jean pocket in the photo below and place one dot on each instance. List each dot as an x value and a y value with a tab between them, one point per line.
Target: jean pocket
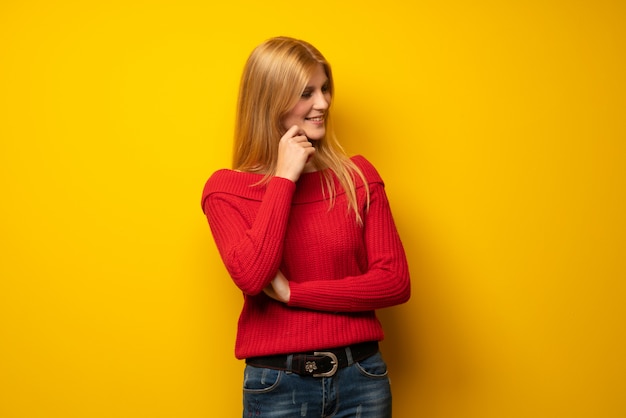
260	380
373	366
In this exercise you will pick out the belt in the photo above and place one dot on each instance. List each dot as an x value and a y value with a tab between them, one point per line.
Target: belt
317	363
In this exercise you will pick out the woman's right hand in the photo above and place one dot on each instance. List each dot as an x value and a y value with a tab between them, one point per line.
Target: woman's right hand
294	150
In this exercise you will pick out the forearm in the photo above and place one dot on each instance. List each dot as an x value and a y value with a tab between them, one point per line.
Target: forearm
382	283
373	290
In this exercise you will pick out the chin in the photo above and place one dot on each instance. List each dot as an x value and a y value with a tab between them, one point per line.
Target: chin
316	136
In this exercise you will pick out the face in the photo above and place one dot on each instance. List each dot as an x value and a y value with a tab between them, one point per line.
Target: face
310	111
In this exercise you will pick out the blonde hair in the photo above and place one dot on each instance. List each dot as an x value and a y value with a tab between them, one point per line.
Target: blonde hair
273	80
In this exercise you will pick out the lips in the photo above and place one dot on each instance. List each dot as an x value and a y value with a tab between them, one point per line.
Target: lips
316	119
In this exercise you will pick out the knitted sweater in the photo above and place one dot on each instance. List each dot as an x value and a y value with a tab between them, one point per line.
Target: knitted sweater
339	272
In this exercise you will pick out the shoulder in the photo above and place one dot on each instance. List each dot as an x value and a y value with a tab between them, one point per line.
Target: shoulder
220	181
367	168
235	183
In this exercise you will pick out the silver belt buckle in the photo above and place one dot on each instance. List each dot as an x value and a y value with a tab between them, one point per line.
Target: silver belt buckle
333	361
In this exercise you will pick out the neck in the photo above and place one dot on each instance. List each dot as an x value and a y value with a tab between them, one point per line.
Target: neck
310	167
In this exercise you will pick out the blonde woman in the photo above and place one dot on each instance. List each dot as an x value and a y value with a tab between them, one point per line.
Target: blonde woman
306	233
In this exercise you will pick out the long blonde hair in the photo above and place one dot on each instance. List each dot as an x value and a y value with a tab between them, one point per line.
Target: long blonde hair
273	80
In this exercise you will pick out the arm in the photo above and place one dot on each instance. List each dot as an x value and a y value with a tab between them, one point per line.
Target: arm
386	281
251	250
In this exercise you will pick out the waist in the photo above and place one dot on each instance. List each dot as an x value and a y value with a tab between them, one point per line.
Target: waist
317	363
270	329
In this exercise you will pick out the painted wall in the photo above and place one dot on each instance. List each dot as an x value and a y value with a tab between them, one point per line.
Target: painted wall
499	128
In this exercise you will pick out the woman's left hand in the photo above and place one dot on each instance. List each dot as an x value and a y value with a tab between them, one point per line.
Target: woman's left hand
278	289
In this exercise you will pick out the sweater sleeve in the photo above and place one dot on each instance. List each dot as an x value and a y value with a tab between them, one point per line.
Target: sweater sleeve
386	281
251	244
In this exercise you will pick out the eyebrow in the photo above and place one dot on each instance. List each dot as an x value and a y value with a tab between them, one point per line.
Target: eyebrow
323	84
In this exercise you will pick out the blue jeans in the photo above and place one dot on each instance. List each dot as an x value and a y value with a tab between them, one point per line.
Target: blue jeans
360	390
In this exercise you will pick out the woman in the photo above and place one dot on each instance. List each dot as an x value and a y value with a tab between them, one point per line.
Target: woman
306	233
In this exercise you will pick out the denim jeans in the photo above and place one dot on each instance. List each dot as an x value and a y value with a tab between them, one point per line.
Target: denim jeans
360	390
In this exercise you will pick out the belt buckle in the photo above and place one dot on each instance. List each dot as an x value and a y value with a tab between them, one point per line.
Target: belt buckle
333	361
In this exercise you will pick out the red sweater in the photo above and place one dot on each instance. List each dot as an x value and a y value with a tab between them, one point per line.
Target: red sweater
339	272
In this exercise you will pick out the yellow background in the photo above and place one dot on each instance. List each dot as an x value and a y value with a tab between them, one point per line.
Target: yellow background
499	128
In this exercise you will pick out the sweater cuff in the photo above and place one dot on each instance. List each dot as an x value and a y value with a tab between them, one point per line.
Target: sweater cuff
276	205
278	195
295	295
307	295
280	183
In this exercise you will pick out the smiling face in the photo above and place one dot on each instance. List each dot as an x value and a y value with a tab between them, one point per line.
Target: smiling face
309	113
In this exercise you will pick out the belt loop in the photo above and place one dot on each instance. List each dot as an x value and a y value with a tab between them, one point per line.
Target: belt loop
349	356
288	366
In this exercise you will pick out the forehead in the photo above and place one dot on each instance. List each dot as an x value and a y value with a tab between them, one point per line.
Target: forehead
318	76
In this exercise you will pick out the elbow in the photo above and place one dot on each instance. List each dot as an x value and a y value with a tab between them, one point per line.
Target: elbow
251	281
250	277
404	289
403	286
249	290
249	284
407	293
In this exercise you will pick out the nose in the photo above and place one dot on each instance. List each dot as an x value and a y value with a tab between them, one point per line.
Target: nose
321	101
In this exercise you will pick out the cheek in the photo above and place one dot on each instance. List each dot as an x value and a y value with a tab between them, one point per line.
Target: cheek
299	111
295	115
287	120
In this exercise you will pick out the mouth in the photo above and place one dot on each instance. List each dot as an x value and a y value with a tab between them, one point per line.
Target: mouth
316	119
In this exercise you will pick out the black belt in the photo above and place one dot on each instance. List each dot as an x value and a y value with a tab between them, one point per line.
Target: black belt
318	363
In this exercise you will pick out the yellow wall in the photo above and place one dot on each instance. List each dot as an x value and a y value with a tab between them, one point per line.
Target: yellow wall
498	126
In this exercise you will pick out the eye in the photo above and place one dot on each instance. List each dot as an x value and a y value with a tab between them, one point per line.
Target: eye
306	94
325	88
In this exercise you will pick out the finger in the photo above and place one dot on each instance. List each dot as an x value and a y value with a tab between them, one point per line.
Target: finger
269	291
298	130
295	130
